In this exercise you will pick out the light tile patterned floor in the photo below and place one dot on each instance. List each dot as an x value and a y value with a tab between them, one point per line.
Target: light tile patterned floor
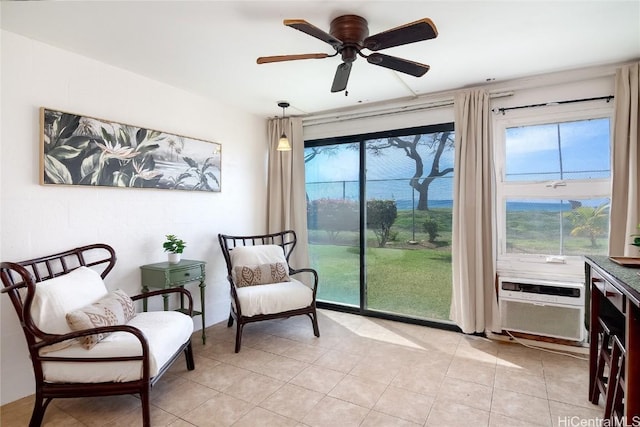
360	372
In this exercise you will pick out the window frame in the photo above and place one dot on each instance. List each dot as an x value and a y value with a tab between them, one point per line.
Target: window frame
543	265
362	139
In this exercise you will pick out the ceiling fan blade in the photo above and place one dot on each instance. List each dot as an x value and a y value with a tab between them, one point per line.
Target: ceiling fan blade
280	58
342	77
398	64
305	27
424	29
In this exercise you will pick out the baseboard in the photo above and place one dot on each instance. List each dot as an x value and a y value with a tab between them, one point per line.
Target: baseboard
535	341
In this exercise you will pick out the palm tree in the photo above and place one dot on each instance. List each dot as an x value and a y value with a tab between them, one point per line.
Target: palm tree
589	221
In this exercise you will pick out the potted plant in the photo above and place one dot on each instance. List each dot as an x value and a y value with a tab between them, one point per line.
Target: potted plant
174	246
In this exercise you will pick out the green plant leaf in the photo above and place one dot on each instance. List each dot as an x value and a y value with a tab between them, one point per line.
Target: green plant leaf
192	163
56	172
64	152
213	177
120	179
106	135
141	135
79	141
146	147
68	124
90	166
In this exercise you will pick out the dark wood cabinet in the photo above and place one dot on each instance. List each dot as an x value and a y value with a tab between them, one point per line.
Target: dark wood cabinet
615	296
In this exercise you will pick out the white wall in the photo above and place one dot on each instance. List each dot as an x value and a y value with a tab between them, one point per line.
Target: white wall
39	220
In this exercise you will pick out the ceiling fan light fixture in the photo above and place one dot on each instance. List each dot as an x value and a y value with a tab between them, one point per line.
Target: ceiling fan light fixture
283	142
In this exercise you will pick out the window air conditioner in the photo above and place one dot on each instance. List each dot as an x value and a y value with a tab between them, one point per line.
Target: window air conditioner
546	308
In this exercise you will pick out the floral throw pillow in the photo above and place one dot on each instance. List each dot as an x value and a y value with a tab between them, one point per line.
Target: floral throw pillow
115	308
262	274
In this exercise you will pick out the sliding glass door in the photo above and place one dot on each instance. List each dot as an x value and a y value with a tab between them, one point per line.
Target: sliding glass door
333	219
379	211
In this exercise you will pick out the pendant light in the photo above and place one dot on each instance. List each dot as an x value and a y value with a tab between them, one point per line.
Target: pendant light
283	142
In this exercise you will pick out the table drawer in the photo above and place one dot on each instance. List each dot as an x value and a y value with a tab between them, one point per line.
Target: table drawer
610	292
186	274
615	297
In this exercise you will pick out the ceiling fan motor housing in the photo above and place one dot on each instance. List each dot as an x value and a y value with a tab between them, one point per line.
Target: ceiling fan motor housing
352	30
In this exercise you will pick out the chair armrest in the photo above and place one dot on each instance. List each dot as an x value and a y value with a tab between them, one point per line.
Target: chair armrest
51	339
179	290
234	294
307	270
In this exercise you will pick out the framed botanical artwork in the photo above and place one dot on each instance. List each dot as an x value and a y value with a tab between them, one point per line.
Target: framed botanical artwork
81	150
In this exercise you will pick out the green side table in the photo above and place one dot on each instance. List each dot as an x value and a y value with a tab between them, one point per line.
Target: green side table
164	275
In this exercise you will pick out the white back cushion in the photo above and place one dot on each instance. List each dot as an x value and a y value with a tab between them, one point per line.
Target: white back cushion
257	255
56	297
274	298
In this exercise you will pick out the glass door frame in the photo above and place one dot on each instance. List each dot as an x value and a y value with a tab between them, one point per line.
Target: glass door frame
361	140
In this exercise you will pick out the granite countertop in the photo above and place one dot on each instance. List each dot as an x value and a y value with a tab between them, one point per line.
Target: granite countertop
626	275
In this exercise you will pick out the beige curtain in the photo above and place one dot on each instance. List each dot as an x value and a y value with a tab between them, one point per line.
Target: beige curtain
625	202
286	196
474	306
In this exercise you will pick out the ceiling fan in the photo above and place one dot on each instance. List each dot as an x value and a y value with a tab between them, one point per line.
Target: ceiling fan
349	35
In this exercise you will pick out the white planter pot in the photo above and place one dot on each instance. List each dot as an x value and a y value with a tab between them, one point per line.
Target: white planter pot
174	258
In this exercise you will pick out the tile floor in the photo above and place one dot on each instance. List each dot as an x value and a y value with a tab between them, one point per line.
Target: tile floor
360	372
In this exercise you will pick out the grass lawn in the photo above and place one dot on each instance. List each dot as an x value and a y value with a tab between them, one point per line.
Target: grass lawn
412	282
411	276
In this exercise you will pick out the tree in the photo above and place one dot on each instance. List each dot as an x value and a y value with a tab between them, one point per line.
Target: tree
311	153
381	214
589	221
434	143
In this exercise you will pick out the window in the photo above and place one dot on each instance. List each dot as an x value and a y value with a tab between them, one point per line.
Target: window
553	187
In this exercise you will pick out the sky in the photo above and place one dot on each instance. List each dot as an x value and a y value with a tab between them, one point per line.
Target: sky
584	149
532	153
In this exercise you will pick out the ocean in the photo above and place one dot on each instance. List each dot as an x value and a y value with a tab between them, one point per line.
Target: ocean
440	195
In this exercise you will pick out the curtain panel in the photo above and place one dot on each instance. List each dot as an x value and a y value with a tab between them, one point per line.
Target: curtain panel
625	202
474	305
286	194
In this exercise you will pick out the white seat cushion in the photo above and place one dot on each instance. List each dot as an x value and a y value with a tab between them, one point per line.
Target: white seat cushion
165	331
274	297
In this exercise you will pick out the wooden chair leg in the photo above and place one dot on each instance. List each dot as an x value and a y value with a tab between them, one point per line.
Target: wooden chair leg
230	321
314	322
39	407
239	327
146	414
613	395
188	354
613	373
604	361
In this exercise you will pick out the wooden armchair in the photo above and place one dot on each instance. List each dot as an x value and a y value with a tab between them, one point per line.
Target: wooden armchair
262	286
85	341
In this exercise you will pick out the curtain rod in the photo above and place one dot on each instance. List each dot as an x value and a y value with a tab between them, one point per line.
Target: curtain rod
386	111
546	104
